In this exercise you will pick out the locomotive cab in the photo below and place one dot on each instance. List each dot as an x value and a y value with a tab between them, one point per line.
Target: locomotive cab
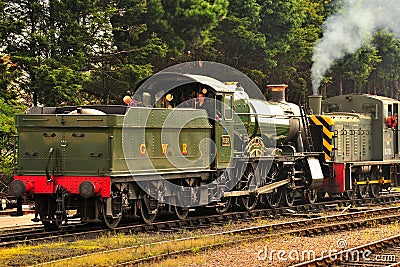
184	92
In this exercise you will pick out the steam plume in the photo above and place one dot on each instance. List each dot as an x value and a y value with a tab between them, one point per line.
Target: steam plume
350	29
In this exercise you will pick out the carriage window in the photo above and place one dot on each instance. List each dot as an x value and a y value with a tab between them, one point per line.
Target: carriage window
390	110
370	108
331	107
228	107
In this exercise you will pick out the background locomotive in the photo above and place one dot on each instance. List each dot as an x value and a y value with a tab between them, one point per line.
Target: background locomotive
114	162
360	137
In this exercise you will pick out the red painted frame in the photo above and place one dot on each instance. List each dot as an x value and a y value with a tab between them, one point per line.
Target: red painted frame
337	184
39	184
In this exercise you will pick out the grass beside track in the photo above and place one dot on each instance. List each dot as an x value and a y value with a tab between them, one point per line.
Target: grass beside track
123	248
113	249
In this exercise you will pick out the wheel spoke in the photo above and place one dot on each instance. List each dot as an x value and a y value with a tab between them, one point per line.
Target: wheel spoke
249	202
273	200
288	197
311	196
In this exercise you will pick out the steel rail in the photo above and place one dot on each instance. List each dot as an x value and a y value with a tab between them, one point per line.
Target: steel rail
308	227
31	237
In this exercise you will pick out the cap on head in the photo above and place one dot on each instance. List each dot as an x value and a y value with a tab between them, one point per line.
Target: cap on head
127	99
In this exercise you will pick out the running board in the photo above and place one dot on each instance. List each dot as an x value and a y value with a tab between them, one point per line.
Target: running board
259	191
270	188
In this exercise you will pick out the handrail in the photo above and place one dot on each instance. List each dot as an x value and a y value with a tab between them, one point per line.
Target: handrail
51	150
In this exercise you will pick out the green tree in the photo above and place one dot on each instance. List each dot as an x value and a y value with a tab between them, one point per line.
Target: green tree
238	41
9	106
291	29
186	27
25	39
129	59
81	34
52	41
358	67
387	72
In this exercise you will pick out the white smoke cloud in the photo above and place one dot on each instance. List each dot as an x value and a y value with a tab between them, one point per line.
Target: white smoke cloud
350	29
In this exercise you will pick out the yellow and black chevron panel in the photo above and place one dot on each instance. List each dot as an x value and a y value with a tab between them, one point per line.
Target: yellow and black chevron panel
327	132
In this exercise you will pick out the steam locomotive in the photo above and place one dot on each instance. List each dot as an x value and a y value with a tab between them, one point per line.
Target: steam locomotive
106	163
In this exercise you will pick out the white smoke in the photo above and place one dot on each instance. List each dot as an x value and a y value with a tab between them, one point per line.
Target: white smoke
350	29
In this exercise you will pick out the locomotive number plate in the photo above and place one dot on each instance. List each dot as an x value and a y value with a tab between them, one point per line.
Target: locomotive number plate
226	140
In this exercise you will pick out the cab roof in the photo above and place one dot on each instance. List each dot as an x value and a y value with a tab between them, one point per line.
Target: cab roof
164	80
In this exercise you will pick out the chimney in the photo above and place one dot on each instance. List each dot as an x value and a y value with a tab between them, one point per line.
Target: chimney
314	103
277	92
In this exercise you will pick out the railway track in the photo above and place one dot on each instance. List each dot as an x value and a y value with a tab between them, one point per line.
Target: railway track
37	234
310	227
307	227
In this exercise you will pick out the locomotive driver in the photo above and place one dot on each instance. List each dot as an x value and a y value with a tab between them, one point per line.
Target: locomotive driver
202	103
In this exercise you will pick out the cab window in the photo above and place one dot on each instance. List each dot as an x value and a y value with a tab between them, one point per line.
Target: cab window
228	107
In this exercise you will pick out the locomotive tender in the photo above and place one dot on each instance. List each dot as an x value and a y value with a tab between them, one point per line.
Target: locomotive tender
109	163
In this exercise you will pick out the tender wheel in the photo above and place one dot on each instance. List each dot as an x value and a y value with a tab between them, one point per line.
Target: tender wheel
45	209
50	224
311	196
181	213
147	212
223	205
288	197
110	221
